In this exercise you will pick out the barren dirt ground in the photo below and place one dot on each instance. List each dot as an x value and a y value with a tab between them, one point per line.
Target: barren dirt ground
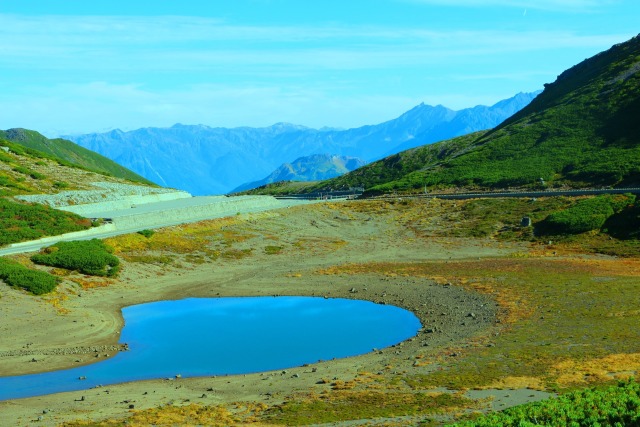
297	251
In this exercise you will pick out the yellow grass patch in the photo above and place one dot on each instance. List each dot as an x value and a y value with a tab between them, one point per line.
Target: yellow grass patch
190	415
56	299
88	282
580	372
343	385
185	238
319	244
516	383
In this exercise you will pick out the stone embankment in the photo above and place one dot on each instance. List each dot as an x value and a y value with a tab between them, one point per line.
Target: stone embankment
109	196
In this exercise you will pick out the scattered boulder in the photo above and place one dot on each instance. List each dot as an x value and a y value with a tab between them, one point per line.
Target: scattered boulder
525	222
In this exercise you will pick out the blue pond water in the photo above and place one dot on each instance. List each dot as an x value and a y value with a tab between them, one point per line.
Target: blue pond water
219	336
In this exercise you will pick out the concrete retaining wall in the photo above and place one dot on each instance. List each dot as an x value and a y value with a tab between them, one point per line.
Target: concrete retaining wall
219	207
113	195
124	202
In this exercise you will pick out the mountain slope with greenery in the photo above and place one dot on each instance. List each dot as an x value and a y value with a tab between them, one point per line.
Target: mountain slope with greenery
308	168
582	131
69	152
26	170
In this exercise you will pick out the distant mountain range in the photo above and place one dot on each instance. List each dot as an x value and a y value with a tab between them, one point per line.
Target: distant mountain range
316	167
205	160
582	131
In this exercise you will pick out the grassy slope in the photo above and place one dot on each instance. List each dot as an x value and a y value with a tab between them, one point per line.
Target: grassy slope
581	131
71	153
28	170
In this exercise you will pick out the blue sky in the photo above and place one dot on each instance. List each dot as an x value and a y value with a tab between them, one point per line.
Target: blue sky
78	66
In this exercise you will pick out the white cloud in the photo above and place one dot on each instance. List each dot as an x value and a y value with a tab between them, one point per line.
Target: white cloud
145	44
99	106
551	5
69	74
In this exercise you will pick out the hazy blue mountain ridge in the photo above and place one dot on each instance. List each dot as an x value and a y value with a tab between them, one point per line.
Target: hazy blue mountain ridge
205	160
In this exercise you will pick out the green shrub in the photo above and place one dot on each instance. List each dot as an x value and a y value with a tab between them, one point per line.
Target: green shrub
586	215
613	406
22	170
91	257
273	250
37	175
626	224
36	282
26	171
146	233
5	158
23	221
60	184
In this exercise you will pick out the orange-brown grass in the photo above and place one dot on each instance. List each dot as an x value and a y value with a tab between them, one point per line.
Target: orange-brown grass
572	309
318	245
514	383
88	282
343	385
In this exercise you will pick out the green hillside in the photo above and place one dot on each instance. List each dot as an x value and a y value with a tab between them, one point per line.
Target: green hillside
582	131
71	153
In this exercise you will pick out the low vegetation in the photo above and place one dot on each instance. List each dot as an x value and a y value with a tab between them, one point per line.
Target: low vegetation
34	281
543	337
24	221
612	406
586	215
92	257
356	405
146	233
210	239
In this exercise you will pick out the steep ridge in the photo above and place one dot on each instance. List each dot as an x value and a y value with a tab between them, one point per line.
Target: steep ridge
581	131
68	151
205	160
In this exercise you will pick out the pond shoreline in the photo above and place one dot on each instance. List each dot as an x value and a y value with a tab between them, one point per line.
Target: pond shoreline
94	316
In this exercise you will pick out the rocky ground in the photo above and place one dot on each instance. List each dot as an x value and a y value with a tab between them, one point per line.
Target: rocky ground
311	240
